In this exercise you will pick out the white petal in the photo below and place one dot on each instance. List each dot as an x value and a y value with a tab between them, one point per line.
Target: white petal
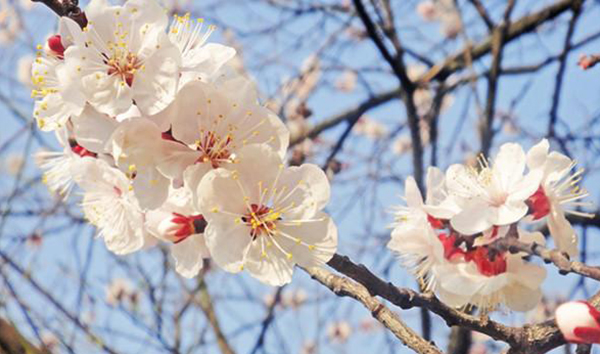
93	129
521	298
509	165
320	233
508	213
412	193
256	165
176	158
189	255
208	59
475	218
151	188
536	156
557	166
218	192
185	114
227	242
155	85
565	237
525	187
275	270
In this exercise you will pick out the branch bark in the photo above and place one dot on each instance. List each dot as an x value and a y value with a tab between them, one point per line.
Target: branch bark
345	287
12	342
66	8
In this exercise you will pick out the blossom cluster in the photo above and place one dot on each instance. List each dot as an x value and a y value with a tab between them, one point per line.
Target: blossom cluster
449	240
169	143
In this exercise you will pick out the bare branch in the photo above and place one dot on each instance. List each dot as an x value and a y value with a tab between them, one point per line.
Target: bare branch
345	287
66	8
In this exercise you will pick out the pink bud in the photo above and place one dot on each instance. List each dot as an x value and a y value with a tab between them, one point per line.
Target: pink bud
56	46
179	227
427	11
579	322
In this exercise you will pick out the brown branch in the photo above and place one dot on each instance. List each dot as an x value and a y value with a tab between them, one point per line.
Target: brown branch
483	14
346	116
559	259
207	307
524	25
66	8
498	42
268	320
406	90
443	69
345	287
62	309
407	298
12	342
562	68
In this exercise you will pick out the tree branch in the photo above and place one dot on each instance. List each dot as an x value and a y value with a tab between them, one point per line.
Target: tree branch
206	305
12	342
559	259
66	8
524	25
344	287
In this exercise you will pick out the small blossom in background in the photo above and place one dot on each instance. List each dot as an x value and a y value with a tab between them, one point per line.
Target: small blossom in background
339	332
10	24
309	347
370	128
35	240
347	81
120	292
369	325
49	341
579	322
427	10
24	70
587	62
13	163
294	299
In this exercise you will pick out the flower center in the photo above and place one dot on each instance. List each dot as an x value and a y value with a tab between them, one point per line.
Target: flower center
214	149
261	219
539	204
451	250
487	263
124	64
435	222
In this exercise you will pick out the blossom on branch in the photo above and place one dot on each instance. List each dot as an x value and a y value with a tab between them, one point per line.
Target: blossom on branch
265	218
449	241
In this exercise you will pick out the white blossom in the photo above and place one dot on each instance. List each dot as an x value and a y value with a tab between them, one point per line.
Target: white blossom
558	195
110	204
209	124
495	195
124	55
266	218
